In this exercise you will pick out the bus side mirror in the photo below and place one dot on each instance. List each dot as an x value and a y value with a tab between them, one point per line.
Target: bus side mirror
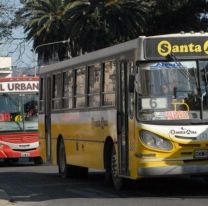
131	83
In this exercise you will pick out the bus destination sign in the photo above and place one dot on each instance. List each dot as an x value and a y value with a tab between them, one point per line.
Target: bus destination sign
19	86
180	47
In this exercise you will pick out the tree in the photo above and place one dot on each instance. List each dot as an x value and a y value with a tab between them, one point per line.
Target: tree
170	16
44	24
94	24
5	20
90	24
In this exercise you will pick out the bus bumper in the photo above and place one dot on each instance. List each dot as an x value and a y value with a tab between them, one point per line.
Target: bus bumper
7	152
173	170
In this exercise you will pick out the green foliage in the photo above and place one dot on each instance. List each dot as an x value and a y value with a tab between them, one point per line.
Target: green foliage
94	24
170	16
44	22
5	23
97	24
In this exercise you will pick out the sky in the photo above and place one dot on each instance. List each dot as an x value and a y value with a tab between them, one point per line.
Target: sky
19	50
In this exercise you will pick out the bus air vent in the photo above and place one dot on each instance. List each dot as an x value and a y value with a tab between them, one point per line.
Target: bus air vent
189	145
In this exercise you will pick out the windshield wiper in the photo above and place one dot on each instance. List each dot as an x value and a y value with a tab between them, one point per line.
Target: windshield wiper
185	73
205	79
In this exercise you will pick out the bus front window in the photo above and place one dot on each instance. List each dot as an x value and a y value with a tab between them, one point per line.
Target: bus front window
18	112
172	91
203	71
10	113
30	108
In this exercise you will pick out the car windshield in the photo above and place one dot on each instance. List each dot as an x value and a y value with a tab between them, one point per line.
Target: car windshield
18	112
172	90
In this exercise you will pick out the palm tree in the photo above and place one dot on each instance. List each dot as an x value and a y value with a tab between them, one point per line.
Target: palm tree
90	24
179	15
5	20
95	24
127	19
44	24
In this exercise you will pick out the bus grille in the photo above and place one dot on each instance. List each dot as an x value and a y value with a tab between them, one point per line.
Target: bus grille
19	138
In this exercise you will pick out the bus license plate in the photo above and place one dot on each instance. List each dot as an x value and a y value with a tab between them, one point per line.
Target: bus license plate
201	154
25	154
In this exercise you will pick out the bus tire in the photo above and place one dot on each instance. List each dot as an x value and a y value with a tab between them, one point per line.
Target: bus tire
118	182
107	162
62	164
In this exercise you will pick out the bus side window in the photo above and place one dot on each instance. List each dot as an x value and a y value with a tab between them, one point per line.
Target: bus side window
94	85
109	83
67	89
80	87
56	95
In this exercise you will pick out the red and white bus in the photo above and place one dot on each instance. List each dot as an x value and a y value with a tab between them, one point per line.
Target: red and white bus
19	119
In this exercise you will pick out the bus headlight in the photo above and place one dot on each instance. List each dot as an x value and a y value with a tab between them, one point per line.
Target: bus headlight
154	141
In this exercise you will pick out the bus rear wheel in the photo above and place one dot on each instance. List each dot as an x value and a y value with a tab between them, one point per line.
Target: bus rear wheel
62	165
118	182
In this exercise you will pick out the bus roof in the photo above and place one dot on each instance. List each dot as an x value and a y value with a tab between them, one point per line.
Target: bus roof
92	56
145	48
178	35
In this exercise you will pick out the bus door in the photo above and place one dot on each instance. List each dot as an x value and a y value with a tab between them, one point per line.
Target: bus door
48	118
122	117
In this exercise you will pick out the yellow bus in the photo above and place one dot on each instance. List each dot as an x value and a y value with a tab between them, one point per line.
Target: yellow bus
108	109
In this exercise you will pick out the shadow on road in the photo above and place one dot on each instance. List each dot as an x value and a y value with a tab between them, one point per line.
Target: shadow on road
41	183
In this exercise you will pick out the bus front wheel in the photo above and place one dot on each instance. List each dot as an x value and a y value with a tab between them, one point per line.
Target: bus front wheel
62	164
118	182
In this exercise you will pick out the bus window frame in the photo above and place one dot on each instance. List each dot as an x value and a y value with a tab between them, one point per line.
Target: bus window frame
164	122
114	61
64	96
92	93
42	95
86	93
75	88
57	97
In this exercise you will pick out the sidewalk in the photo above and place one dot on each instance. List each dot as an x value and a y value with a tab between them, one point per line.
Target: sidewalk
4	199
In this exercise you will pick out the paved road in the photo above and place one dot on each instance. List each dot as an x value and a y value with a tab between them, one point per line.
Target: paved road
29	185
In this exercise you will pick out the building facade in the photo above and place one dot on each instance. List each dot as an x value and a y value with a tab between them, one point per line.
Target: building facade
5	67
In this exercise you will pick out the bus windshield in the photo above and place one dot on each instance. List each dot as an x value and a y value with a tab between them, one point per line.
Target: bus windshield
175	90
18	112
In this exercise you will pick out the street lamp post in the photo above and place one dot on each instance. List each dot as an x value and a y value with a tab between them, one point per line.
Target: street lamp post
46	44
